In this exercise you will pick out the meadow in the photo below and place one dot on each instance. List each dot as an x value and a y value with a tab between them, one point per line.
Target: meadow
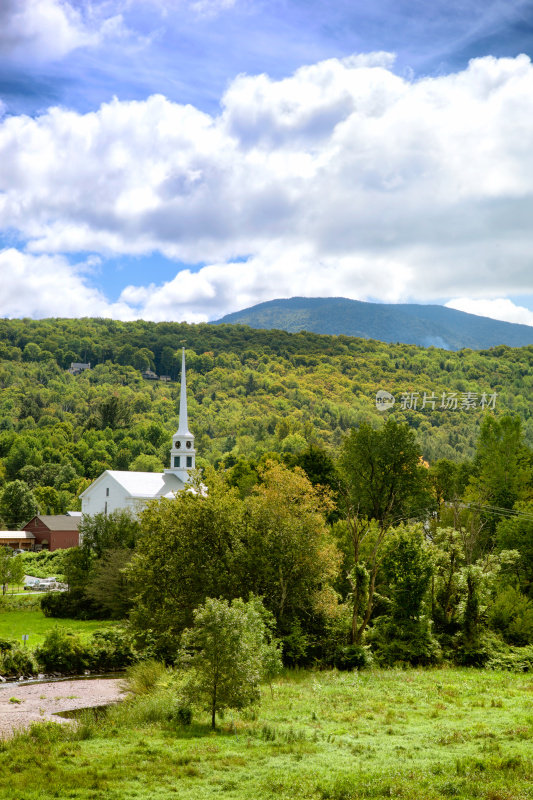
21	615
417	734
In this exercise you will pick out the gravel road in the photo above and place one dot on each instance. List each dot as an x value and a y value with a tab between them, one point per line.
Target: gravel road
42	701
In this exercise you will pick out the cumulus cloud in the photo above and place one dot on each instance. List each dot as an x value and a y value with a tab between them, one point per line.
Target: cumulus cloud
342	179
217	289
49	29
48	286
498	308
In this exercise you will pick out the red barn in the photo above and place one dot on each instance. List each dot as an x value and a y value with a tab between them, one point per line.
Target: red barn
54	532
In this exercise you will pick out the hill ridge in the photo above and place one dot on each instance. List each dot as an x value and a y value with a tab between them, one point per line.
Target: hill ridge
428	325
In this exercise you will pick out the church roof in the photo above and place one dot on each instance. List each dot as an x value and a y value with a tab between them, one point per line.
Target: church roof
144	485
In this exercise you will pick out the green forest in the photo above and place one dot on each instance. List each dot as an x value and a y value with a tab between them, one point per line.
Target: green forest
251	393
403	536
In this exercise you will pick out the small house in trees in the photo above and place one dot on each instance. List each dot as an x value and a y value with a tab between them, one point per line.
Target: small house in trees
53	531
149	375
123	490
77	367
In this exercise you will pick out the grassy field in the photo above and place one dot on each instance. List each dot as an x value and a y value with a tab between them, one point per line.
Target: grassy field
421	735
16	622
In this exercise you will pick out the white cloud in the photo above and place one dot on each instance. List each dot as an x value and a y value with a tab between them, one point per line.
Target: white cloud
48	286
343	179
41	30
217	289
498	308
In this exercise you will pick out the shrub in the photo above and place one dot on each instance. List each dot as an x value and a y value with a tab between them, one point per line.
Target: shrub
478	650
65	652
183	715
71	605
20	602
404	642
112	649
511	614
515	659
14	660
353	656
45	563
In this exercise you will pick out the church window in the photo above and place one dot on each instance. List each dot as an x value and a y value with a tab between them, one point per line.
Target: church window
178	445
107	492
189	444
189	461
176	461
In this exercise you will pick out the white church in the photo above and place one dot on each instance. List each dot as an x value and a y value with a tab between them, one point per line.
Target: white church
116	489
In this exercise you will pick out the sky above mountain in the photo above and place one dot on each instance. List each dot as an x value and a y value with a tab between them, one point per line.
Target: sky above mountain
183	159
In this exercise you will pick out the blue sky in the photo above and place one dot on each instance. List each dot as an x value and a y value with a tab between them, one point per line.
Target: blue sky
183	159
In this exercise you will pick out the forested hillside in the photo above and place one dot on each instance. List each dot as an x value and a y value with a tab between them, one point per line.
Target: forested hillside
250	392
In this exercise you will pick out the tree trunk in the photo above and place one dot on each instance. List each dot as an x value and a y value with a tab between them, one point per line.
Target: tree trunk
214	707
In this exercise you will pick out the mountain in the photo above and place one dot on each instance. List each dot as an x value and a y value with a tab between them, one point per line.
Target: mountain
423	325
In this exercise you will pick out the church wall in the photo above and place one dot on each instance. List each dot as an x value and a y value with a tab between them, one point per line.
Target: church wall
104	496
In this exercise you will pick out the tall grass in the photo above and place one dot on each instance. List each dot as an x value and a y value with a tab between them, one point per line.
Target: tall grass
418	735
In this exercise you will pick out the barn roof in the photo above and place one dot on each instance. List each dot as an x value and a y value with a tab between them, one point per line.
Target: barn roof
58	522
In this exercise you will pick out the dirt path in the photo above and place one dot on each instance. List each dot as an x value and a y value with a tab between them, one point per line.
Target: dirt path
42	701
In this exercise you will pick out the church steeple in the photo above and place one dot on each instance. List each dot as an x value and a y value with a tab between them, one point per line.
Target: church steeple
182	453
183	427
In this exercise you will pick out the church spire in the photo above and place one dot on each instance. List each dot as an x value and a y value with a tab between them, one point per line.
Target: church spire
183	427
182	453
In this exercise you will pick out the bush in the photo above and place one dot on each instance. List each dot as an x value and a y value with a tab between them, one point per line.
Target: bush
353	656
71	605
45	564
14	660
64	652
112	650
67	653
515	659
183	715
20	602
406	642
511	614
476	651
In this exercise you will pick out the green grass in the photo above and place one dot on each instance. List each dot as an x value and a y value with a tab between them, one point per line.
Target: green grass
16	622
419	735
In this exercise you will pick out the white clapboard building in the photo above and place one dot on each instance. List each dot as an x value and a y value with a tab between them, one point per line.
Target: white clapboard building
116	489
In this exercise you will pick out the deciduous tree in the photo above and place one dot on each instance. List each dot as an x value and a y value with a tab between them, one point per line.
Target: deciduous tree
383	482
229	651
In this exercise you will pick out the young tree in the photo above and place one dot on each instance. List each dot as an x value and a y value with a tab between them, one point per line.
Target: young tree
228	652
11	568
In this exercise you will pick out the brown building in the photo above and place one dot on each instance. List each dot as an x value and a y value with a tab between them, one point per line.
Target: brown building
54	532
17	540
